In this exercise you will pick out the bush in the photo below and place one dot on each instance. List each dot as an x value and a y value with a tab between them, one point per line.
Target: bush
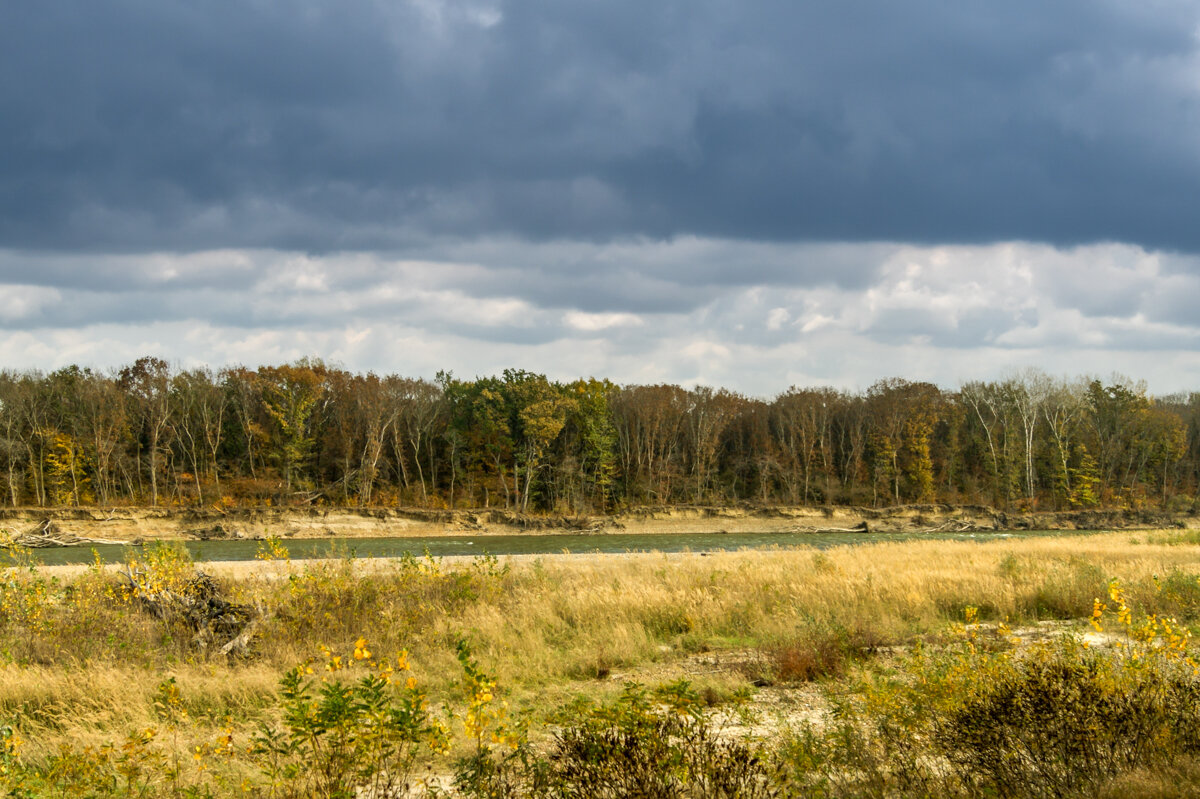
815	652
1055	719
649	745
1066	719
339	738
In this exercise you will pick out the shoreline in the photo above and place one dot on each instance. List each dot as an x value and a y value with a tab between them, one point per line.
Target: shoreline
86	526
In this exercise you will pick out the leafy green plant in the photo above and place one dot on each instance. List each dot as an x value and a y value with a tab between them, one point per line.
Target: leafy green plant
341	737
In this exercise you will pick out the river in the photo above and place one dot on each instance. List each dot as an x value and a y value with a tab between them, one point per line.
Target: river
525	544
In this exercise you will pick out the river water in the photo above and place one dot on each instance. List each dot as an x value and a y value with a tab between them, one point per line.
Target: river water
526	544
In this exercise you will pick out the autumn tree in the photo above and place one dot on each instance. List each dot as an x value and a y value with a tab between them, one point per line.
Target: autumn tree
201	404
538	411
754	457
415	416
649	422
104	427
11	449
903	415
850	439
244	398
341	431
77	436
147	384
479	420
1164	445
598	434
374	421
1063	412
801	420
292	395
1117	419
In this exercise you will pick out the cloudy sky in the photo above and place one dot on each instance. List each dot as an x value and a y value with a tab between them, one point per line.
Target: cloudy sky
747	193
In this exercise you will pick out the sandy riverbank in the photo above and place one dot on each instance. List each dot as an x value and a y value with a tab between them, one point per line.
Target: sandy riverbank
129	524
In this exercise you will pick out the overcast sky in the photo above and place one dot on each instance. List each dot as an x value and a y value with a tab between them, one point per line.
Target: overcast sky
746	193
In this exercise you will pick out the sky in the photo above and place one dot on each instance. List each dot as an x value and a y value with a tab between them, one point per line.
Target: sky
743	193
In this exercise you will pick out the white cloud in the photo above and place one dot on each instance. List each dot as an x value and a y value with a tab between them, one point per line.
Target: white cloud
666	311
777	317
593	322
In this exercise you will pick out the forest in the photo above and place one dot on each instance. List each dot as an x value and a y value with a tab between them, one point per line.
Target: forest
311	433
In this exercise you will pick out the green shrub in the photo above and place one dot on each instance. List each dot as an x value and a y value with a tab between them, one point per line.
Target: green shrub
342	738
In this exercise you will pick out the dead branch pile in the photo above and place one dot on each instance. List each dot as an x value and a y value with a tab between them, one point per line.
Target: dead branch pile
48	534
215	532
218	625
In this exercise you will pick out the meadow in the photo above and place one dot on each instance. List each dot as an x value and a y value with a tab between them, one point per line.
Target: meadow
1036	667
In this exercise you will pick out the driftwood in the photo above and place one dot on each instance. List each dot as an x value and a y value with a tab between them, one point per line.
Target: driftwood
957	526
947	526
46	534
861	527
218	624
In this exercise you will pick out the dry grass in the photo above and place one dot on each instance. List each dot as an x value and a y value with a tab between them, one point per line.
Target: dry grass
552	627
561	612
93	702
1180	780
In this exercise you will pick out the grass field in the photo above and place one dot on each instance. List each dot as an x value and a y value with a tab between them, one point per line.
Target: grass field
896	669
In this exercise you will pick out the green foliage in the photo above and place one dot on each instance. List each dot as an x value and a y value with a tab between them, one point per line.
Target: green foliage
592	421
290	395
66	469
1085	479
339	738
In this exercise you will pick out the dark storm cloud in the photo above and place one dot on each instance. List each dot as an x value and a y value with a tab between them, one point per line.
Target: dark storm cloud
229	270
359	124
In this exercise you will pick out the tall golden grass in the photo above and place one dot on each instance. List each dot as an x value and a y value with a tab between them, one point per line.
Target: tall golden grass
82	663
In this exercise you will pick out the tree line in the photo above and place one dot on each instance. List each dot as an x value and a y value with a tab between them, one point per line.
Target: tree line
308	432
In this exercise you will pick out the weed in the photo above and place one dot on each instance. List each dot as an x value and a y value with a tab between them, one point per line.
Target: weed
339	737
